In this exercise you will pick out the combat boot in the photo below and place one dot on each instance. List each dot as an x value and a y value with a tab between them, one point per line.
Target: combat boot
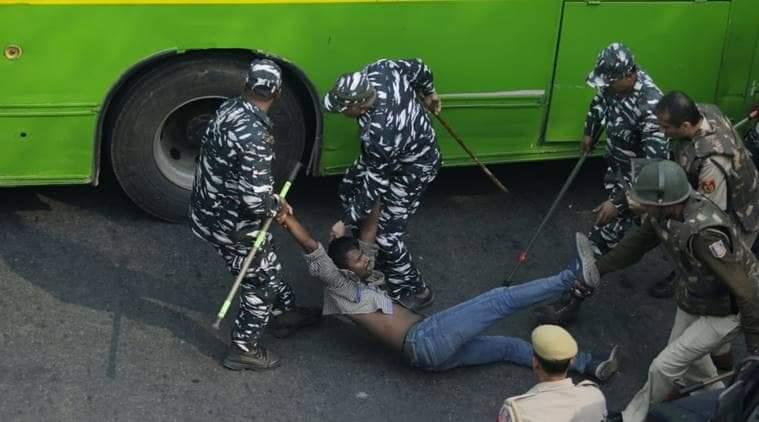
285	324
602	367
255	359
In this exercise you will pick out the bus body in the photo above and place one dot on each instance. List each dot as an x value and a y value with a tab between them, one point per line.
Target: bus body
131	85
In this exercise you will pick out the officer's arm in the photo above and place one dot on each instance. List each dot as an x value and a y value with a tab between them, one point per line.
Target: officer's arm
351	181
712	181
713	249
655	143
255	186
630	250
368	232
374	181
418	74
594	119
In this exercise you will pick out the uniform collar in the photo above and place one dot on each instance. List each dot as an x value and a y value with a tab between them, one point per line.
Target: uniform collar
704	127
262	116
552	385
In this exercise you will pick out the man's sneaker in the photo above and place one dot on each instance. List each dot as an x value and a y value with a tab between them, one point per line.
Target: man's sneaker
562	312
603	367
255	359
415	302
584	267
664	288
288	322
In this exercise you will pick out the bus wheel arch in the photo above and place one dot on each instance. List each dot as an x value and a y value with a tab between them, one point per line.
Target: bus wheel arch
173	93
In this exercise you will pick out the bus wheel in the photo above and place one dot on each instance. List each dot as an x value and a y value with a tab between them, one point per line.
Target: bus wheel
157	133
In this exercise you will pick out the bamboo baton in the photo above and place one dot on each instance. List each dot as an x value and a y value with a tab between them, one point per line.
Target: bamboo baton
471	154
256	247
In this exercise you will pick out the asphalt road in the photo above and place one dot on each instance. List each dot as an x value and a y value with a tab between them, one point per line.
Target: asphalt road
105	312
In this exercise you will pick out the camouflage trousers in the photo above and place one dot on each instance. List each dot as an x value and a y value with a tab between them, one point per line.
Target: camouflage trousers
261	291
399	203
604	238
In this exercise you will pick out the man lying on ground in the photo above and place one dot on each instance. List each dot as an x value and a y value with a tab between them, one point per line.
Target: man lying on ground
447	339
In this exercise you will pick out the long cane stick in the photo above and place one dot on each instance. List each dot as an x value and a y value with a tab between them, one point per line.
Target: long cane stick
523	256
705	383
471	154
256	247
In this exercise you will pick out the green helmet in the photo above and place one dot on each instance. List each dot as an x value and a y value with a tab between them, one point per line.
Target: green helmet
661	183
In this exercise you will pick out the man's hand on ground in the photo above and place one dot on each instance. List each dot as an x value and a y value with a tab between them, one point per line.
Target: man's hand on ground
606	212
337	231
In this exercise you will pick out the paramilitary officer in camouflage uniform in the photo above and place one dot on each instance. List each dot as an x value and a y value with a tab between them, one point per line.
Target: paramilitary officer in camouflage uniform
717	288
556	398
624	109
232	194
399	158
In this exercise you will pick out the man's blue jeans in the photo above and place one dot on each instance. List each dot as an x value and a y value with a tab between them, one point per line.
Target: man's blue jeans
451	338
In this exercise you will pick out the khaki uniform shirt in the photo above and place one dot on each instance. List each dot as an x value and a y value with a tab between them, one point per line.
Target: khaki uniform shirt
556	401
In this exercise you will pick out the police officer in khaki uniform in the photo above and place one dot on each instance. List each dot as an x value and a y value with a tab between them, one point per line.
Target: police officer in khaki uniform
716	291
717	164
556	398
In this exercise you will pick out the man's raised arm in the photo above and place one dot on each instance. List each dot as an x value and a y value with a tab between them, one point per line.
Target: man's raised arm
300	233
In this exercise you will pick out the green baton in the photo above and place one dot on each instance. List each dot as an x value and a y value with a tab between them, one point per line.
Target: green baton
256	247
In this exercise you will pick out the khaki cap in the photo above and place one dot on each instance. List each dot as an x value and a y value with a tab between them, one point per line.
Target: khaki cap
553	343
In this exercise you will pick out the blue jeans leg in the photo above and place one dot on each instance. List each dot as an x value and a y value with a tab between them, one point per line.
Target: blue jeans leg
482	350
436	339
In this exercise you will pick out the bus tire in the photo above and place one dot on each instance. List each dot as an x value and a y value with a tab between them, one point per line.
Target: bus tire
156	136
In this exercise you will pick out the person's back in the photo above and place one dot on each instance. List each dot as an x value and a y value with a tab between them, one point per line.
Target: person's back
407	129
556	398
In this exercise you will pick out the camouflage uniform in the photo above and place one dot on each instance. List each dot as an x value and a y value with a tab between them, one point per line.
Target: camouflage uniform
716	293
399	158
632	132
232	193
720	167
752	142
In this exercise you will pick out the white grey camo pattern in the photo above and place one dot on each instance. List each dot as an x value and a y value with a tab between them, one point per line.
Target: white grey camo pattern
399	158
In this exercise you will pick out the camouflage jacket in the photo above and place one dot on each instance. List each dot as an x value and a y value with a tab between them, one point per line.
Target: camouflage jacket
751	139
718	274
720	139
631	128
233	179
396	134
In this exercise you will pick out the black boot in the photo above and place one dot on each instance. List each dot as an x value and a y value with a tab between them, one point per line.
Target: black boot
602	367
562	312
663	289
255	359
288	322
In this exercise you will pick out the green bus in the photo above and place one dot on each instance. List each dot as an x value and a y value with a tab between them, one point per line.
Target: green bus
130	85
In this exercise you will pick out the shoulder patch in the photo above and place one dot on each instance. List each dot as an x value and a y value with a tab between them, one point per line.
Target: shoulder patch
708	186
718	249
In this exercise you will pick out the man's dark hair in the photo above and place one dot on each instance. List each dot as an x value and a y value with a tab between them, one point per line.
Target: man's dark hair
553	367
679	107
339	248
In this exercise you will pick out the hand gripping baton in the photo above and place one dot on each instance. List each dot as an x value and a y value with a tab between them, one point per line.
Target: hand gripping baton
260	239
